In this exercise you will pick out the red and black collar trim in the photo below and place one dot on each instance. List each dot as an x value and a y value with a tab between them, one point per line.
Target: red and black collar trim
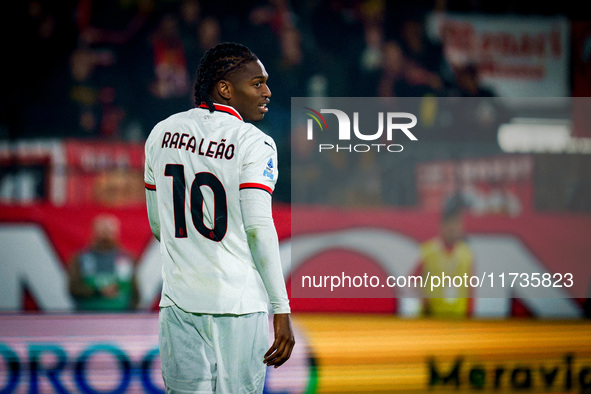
222	108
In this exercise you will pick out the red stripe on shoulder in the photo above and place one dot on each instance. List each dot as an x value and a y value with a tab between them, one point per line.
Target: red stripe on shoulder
256	186
150	187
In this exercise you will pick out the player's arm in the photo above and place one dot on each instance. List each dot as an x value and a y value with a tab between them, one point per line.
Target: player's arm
257	181
264	246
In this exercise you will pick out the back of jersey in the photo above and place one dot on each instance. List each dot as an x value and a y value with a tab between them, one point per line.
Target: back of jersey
197	162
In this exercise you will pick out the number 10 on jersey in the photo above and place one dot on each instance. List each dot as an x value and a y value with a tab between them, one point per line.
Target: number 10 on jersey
220	222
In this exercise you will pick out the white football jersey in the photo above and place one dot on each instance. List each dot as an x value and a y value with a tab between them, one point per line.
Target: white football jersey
197	162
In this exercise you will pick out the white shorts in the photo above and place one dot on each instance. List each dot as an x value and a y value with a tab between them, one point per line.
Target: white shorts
204	353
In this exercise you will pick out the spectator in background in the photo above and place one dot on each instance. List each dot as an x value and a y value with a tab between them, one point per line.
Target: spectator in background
190	17
418	47
111	23
207	34
267	24
278	41
89	94
371	54
391	79
291	70
82	99
198	32
161	74
210	33
102	276
171	76
336	30
468	82
399	76
93	102
85	88
450	253
476	119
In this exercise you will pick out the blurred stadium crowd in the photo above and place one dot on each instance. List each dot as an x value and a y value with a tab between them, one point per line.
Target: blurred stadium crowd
110	69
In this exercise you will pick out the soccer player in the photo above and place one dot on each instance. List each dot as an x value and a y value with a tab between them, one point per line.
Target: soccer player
209	179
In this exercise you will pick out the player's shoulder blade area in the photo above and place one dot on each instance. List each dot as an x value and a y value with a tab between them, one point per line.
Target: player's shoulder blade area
253	133
162	133
212	136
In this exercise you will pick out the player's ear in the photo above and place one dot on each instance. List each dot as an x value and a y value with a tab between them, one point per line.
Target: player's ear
224	89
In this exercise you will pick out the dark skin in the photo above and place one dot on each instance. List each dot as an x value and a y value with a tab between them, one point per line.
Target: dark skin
246	91
284	341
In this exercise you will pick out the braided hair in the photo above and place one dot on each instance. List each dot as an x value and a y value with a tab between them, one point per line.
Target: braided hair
216	64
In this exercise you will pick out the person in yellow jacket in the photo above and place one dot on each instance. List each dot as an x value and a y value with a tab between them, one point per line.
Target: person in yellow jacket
448	255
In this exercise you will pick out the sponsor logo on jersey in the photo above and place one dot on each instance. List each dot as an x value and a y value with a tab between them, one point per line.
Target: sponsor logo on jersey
269	169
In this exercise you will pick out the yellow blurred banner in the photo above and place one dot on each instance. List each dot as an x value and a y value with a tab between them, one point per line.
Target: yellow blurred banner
384	353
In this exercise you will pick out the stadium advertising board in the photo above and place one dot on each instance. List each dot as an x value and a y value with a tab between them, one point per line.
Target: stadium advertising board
514	54
378	353
107	353
118	353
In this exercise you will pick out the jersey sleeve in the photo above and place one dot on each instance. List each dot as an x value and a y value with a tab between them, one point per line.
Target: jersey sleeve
259	167
151	198
149	180
264	246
